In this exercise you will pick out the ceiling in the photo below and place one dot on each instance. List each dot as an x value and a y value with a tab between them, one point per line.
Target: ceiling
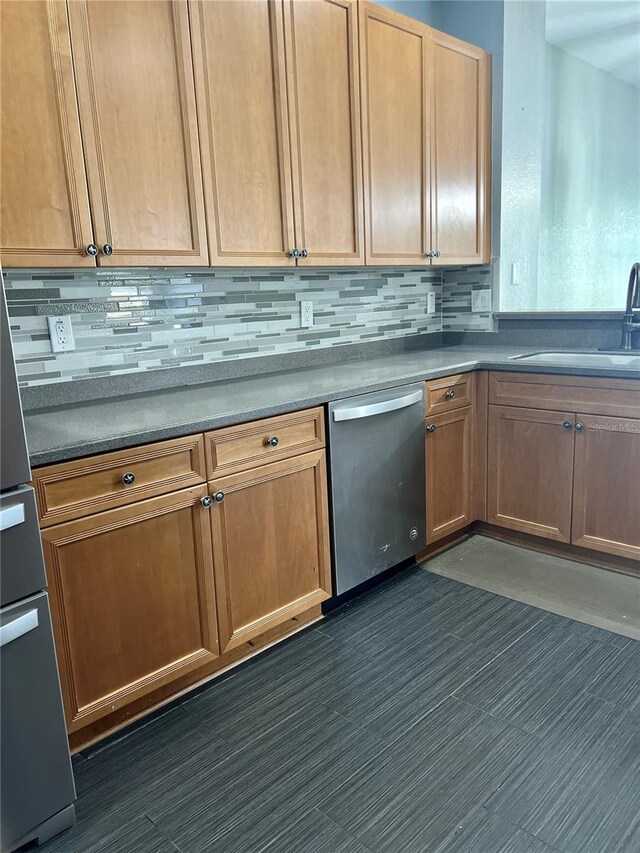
604	33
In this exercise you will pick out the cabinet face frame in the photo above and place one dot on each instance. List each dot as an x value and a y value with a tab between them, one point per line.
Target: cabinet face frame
459	480
90	115
601	488
55	538
372	12
205	92
230	636
482	255
70	142
296	106
558	496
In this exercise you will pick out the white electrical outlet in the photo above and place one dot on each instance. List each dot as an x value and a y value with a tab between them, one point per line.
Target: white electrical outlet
61	334
431	302
306	314
480	301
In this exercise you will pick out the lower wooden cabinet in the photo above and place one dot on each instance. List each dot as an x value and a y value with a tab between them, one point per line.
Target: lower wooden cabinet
606	495
530	471
132	600
271	545
449	472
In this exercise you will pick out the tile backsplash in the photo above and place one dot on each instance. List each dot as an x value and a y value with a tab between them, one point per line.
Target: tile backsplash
147	319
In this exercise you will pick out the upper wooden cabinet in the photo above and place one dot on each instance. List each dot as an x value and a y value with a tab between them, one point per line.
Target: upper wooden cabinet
278	99
44	216
139	124
394	63
460	151
321	42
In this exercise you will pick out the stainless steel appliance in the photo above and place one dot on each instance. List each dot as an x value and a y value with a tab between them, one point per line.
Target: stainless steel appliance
377	461
37	790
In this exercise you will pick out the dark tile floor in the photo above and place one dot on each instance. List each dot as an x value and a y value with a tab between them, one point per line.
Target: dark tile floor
427	716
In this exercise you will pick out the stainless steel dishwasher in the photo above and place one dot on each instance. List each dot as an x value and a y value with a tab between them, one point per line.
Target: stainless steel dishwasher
377	463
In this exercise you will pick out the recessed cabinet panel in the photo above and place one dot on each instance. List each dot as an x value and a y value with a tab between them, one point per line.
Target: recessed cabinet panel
530	471
321	40
606	500
270	543
139	124
449	472
395	131
132	599
241	84
44	214
461	128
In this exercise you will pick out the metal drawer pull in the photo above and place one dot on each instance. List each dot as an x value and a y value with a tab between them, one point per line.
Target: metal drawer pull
218	497
272	441
18	627
128	479
579	426
431	427
377	408
567	425
206	501
11	516
450	394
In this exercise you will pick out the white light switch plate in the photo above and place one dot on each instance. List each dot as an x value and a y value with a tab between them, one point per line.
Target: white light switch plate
61	334
306	314
431	302
480	301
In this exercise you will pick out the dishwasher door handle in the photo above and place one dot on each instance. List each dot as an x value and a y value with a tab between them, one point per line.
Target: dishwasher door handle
18	627
379	408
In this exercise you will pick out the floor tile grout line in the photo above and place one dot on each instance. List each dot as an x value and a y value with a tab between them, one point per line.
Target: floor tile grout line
344	829
162	833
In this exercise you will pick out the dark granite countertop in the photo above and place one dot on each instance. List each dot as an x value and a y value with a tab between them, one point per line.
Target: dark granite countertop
71	431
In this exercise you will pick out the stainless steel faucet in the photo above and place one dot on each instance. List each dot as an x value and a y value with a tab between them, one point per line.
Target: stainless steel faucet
631	319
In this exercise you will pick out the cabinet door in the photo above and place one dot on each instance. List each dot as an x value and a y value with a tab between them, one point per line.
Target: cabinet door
530	471
241	86
449	472
395	133
461	152
132	599
44	201
606	491
321	38
270	545
139	124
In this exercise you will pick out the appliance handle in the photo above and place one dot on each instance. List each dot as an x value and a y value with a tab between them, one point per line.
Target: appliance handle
18	627
11	516
380	408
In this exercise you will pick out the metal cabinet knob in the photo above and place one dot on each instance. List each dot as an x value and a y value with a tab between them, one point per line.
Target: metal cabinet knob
567	425
579	426
107	249
304	253
432	255
450	394
218	497
206	501
294	253
128	479
92	250
272	441
431	427
438	253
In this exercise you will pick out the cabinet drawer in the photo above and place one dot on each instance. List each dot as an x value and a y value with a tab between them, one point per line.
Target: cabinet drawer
591	394
240	447
82	487
450	392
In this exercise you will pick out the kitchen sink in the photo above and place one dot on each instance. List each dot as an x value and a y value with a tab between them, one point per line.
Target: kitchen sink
597	359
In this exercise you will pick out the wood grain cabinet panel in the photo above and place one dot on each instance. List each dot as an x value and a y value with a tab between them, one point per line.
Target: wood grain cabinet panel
321	40
239	61
461	149
394	65
139	124
271	546
44	201
606	499
132	600
449	457
450	392
530	471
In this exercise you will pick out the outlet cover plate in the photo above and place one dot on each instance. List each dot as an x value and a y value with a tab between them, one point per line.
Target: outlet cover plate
61	334
480	301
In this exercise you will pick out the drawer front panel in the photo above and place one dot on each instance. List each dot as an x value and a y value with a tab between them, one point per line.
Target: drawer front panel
86	486
590	394
240	447
450	392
